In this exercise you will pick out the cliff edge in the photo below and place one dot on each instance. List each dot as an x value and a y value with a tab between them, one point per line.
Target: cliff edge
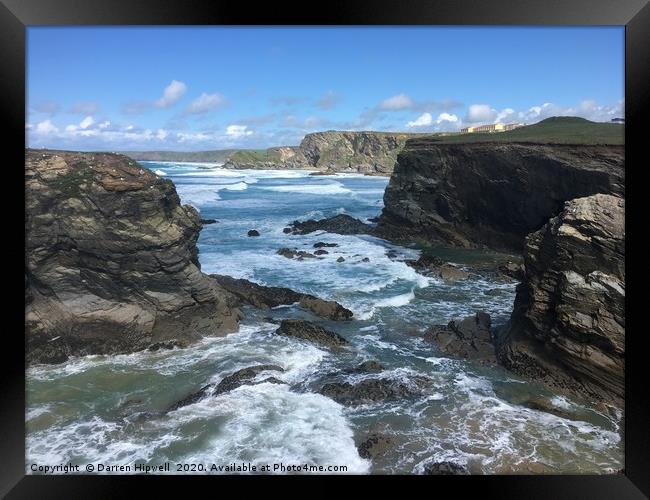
568	324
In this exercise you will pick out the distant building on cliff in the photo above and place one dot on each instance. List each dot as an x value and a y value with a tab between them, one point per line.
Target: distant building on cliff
494	127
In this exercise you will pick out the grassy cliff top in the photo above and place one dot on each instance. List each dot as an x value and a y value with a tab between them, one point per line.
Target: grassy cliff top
555	130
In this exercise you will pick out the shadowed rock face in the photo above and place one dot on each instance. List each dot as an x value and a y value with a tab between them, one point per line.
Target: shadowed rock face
568	324
308	331
470	195
339	224
112	263
469	338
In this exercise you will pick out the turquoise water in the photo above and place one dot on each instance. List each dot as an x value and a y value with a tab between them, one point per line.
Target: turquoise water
94	408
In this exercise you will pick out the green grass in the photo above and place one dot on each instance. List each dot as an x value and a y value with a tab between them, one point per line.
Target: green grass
70	183
254	155
555	130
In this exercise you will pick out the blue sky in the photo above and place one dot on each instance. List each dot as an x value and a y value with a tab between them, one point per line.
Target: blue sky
196	88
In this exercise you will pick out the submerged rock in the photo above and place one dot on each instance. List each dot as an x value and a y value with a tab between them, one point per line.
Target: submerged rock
375	445
244	376
308	331
112	264
340	259
445	469
339	224
320	244
469	338
298	254
321	252
366	391
209	221
228	383
267	297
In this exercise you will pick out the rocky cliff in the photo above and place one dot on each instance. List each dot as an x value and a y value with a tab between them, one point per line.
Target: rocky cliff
568	324
372	153
491	194
111	260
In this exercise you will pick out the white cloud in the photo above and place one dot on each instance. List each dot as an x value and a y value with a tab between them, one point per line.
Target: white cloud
480	113
85	108
237	131
104	125
172	93
397	102
161	134
425	119
86	122
46	127
446	117
206	102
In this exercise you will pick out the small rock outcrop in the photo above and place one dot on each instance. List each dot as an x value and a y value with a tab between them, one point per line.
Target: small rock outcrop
367	391
295	254
339	224
111	260
305	330
445	469
267	297
229	383
253	232
469	338
568	324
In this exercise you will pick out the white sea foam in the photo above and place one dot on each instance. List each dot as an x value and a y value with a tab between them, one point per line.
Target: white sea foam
160	172
317	189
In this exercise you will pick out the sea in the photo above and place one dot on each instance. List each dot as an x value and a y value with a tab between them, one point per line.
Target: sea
110	409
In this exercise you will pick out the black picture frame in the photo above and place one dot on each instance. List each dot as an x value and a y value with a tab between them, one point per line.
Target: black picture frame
16	15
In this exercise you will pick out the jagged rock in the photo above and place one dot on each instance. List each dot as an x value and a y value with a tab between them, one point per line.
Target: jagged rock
229	383
243	376
512	270
339	224
469	338
568	324
320	244
253	232
340	259
491	194
171	344
451	273
267	297
445	469
286	230
209	221
375	445
298	254
308	331
325	308
366	391
370	366
112	263
365	259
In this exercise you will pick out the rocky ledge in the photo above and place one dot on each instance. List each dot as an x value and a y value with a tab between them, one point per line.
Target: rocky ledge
469	338
490	194
267	297
568	324
111	260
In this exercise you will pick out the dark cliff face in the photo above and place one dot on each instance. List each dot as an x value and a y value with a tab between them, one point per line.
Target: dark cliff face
491	194
568	324
111	260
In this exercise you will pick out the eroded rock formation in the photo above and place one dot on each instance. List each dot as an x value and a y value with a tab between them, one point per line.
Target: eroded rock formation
111	260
